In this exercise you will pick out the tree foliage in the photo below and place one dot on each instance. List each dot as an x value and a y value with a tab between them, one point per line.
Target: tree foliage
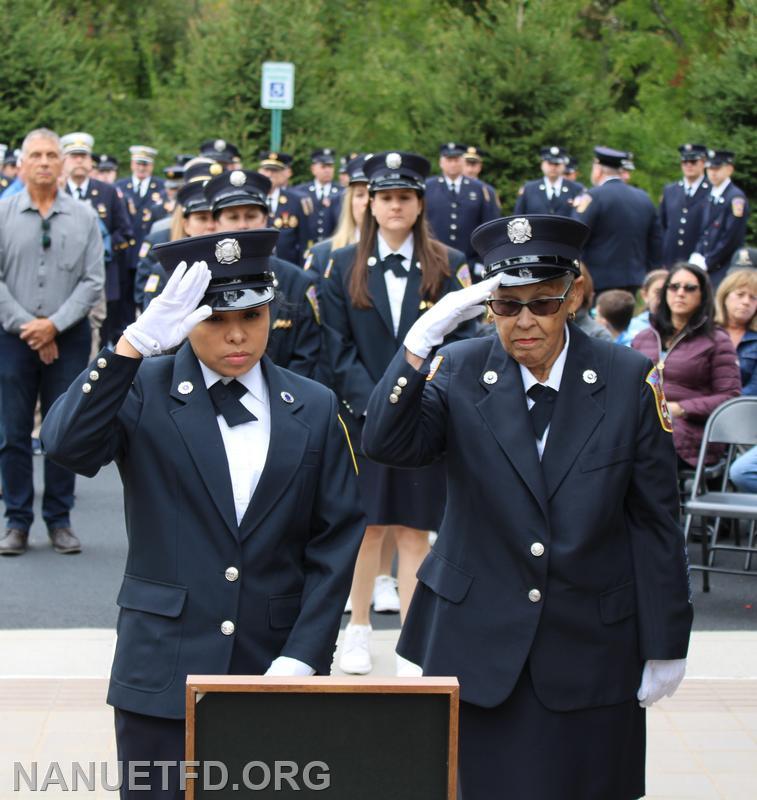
507	75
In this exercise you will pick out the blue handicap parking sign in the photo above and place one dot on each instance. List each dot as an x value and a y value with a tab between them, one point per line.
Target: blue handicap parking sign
277	89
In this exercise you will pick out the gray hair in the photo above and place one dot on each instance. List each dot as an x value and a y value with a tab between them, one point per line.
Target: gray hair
42	133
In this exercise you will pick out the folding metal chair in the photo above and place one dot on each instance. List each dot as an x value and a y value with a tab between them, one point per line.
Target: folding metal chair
732	423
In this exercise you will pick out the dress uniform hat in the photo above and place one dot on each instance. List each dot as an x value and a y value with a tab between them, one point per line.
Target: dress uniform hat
530	249
191	196
716	158
219	150
692	152
275	160
239	266
174	173
452	149
324	155
553	154
627	163
240	187
105	161
355	169
396	170
609	157
473	153
79	142
200	170
11	159
140	152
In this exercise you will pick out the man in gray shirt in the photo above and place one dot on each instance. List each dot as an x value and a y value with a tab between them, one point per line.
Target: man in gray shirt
51	274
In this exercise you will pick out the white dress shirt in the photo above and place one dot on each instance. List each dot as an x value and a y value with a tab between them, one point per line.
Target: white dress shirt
553	189
553	381
273	201
140	187
455	184
395	286
691	188
246	448
322	190
73	188
246	445
717	191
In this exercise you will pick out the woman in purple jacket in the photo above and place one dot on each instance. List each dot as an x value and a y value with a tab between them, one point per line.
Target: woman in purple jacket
696	360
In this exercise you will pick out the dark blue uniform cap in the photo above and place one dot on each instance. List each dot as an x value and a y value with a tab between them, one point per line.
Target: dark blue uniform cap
174	172
473	153
355	169
452	149
191	196
219	150
182	159
240	187
692	152
716	158
324	155
609	157
570	164
530	249
275	160
104	161
553	154
202	170
396	169
238	262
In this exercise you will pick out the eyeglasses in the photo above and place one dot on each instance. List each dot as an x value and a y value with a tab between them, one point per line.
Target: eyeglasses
46	240
689	288
541	307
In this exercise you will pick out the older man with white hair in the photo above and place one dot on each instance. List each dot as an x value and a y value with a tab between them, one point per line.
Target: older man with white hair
51	274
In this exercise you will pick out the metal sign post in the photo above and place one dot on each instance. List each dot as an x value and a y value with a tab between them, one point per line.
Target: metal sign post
277	94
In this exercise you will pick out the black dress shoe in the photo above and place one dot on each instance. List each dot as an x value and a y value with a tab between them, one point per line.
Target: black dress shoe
64	541
14	542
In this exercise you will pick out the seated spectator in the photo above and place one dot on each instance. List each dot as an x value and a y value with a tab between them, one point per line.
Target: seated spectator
743	473
584	319
650	292
615	311
736	312
695	359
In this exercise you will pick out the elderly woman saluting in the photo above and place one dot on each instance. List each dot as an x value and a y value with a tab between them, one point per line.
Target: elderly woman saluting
557	589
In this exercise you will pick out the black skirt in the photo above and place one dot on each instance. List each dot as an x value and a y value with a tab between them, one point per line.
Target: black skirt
521	750
411	497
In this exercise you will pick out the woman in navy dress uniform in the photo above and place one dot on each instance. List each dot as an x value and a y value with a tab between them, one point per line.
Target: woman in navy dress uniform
372	293
242	505
557	589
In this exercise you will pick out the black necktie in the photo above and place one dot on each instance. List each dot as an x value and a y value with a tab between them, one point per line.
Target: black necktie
553	199
79	193
544	403
453	189
393	262
227	403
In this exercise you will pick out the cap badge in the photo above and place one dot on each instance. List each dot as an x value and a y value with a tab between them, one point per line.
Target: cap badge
490	377
519	230
215	169
589	376
228	251
711	153
525	273
688	148
237	178
219	145
393	160
555	151
450	145
287	398
185	387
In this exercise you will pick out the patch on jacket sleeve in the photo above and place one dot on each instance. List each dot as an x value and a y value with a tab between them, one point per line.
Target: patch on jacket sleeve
435	364
327	271
152	283
663	412
312	296
144	249
582	202
737	206
463	276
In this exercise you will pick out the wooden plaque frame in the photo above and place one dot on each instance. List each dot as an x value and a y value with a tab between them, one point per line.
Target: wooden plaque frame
199	685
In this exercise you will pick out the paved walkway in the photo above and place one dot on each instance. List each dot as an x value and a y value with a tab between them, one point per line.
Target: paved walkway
702	742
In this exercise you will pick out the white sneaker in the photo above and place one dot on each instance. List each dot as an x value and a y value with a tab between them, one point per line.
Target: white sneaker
356	653
406	669
386	600
348	605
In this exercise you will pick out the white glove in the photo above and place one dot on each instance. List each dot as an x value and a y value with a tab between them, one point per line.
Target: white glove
430	329
697	259
660	679
173	313
287	667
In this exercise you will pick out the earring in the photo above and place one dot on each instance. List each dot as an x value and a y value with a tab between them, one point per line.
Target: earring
572	316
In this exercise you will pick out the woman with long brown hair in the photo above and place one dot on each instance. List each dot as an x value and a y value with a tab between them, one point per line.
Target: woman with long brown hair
373	292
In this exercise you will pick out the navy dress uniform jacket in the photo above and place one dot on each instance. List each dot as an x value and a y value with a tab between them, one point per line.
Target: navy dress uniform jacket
532	198
319	217
150	279
316	262
724	228
625	239
288	220
593	527
681	220
454	218
294	550
144	211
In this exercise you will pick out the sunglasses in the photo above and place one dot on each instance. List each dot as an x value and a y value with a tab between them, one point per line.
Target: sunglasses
687	287
46	240
541	307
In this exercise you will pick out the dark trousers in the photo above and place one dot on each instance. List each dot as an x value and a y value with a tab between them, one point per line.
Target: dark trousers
23	378
143	738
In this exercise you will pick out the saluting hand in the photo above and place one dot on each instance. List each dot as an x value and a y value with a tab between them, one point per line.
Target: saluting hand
172	315
430	329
